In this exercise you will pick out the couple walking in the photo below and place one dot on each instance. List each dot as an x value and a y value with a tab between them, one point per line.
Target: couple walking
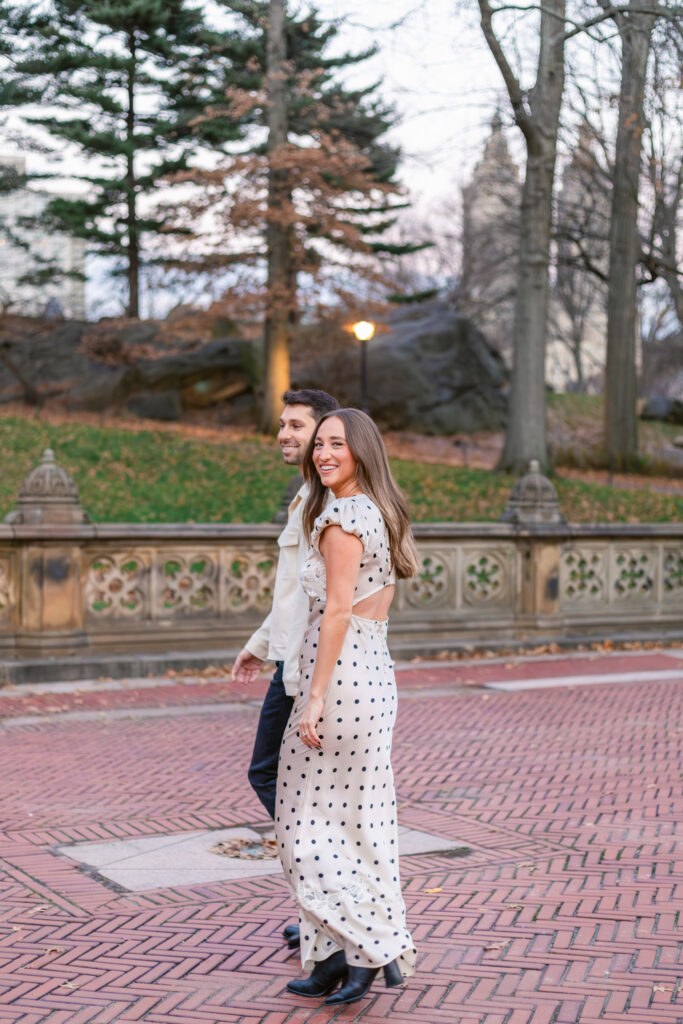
321	762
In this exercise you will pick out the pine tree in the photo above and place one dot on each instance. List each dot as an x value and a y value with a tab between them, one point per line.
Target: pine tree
16	91
117	71
313	188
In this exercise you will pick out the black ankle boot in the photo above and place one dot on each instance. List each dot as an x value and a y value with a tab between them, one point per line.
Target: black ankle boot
360	980
290	933
325	976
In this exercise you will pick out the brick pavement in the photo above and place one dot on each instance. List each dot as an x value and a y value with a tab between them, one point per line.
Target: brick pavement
564	910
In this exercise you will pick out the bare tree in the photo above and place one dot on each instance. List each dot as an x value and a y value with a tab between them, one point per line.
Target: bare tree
537	115
583	226
635	24
663	186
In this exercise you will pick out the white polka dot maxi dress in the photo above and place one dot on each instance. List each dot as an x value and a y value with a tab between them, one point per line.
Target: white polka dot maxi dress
336	821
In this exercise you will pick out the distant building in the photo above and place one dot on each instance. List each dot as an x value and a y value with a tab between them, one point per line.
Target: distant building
40	248
490	241
577	322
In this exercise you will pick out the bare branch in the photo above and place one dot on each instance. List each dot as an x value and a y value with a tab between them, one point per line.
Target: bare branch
512	84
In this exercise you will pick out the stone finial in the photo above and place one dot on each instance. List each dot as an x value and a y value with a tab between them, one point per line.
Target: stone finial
533	500
48	495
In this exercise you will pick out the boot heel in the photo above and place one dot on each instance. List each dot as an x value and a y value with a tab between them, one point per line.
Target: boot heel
392	975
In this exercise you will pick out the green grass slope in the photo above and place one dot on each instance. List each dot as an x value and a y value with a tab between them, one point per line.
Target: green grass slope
155	476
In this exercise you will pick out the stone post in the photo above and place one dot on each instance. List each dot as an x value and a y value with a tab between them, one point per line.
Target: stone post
50	601
534	504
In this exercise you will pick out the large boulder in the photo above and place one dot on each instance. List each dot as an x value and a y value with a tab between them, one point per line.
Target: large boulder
138	364
222	368
666	410
662	374
431	370
157	405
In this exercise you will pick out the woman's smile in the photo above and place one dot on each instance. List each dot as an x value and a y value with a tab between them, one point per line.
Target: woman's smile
333	460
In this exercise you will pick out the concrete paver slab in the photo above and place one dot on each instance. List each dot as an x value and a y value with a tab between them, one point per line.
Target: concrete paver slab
168	861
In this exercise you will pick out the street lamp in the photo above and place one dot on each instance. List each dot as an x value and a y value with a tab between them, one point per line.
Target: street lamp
363	330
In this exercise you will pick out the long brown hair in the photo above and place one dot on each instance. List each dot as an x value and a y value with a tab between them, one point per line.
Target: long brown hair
374	479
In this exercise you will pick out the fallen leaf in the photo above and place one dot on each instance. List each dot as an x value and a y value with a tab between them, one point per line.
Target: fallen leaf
246	849
433	890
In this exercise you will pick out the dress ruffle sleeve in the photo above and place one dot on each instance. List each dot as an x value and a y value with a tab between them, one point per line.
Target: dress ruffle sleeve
348	513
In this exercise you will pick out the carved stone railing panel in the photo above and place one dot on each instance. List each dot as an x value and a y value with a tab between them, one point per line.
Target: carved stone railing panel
186	583
109	587
633	574
116	585
487	575
583	575
434	586
247	578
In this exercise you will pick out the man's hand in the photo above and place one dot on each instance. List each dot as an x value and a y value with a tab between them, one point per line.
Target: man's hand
246	668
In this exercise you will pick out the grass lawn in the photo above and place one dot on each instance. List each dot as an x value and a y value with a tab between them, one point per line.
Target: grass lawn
153	476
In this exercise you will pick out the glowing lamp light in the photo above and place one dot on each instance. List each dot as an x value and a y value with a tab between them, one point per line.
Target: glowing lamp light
364	330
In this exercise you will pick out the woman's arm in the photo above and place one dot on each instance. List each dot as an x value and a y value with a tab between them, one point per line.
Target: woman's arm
342	553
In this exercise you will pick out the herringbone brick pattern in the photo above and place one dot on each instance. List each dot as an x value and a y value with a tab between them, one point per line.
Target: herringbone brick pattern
564	910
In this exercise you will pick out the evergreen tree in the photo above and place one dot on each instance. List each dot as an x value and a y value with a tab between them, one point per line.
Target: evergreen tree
117	71
16	90
313	188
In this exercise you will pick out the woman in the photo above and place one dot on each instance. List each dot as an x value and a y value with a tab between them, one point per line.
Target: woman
336	808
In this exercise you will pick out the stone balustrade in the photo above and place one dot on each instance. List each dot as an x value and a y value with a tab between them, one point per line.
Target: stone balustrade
67	584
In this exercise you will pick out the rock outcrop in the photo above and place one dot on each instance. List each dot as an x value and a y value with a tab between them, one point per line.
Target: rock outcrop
429	370
432	371
133	365
667	410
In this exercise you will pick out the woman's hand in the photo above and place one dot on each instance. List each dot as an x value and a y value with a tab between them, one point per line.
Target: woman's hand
312	714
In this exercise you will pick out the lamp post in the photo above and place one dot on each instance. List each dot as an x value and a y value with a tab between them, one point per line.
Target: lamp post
364	330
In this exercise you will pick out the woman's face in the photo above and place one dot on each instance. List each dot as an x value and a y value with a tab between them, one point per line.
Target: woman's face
332	458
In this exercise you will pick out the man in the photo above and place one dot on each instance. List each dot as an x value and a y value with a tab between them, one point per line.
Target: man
280	638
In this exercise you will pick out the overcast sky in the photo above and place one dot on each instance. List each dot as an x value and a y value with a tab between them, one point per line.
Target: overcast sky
434	66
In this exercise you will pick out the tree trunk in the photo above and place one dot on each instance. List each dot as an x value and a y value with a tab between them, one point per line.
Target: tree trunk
621	434
525	437
279	298
577	346
133	271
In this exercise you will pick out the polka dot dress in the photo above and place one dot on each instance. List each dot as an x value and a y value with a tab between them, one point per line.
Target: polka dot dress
336	821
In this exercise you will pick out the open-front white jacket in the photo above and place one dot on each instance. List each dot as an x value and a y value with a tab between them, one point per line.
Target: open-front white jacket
281	636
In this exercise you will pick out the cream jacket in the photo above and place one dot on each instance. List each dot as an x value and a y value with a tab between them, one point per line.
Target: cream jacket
281	636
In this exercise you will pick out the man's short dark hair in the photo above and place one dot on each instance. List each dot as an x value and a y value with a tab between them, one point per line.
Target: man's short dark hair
319	401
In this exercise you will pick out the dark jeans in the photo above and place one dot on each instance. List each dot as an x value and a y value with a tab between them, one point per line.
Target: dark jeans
271	726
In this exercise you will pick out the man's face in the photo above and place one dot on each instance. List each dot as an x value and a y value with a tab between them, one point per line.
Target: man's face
297	425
